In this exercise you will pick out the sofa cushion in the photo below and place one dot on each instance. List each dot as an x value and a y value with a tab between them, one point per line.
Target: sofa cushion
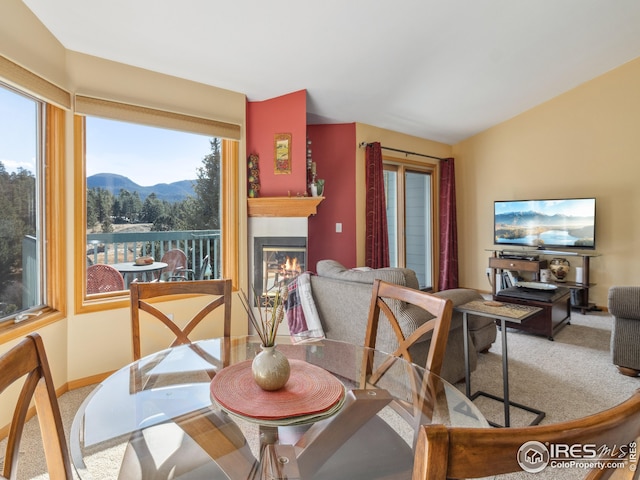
337	271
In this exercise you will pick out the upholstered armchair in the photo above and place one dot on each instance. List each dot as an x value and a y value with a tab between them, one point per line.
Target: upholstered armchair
624	305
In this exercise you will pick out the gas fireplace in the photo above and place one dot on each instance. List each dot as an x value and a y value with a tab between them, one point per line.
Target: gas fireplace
277	260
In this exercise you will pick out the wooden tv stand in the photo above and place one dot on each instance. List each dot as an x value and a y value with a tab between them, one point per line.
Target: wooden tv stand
555	314
498	263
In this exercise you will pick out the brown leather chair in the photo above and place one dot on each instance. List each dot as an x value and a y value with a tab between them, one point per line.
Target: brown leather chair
28	361
454	452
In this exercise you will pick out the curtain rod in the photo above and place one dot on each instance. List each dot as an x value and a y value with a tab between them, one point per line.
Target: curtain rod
365	144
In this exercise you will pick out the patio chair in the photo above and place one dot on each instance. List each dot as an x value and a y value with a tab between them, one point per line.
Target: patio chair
444	452
190	274
28	358
102	278
176	261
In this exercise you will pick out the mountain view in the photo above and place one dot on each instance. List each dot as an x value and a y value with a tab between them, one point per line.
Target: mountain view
171	192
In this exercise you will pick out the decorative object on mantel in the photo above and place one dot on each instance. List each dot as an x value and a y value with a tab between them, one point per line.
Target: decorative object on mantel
309	162
253	175
270	367
316	185
282	153
560	268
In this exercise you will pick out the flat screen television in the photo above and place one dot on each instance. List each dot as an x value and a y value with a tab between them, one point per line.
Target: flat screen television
545	224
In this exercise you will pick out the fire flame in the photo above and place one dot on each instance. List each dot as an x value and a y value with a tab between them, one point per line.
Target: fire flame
291	267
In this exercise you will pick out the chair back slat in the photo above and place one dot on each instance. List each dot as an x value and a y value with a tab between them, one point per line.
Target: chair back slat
440	308
142	292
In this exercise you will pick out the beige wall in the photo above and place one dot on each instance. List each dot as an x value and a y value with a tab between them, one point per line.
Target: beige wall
82	346
583	143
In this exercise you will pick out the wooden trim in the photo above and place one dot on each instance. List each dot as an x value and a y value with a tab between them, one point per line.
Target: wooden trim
230	212
55	209
97	302
283	206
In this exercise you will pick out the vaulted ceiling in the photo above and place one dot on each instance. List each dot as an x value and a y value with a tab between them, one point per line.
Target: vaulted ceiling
437	69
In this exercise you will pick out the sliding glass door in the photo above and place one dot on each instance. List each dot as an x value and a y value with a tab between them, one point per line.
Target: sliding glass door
409	195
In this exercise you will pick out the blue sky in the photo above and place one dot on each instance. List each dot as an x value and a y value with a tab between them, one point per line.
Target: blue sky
17	126
146	155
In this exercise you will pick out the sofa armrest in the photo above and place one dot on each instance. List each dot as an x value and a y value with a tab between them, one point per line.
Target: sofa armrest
624	302
459	296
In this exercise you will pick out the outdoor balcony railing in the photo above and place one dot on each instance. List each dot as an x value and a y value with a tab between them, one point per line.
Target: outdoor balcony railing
113	248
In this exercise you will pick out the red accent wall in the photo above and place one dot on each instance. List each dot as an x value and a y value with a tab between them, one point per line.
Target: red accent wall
334	151
285	114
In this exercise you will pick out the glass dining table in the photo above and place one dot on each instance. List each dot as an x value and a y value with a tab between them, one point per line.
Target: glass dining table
189	412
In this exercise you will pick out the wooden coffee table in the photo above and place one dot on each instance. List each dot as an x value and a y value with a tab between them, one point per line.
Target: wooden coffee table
555	309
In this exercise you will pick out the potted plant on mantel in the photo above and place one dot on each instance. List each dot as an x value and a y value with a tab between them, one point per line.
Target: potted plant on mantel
316	187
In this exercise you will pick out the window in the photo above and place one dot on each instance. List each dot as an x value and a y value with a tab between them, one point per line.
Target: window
150	188
21	232
409	195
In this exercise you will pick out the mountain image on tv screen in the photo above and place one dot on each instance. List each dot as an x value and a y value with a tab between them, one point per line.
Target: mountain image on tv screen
566	223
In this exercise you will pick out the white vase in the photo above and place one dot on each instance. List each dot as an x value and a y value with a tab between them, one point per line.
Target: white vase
270	368
314	189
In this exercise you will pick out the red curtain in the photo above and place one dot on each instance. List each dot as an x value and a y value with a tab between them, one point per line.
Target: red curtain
377	238
448	227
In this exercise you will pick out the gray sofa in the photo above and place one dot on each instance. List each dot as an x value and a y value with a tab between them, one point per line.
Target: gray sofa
624	305
342	298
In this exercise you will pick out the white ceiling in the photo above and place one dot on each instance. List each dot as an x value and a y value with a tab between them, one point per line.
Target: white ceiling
437	69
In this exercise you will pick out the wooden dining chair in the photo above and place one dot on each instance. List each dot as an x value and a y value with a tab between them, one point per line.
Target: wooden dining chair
28	361
439	325
444	452
145	297
358	418
103	278
198	438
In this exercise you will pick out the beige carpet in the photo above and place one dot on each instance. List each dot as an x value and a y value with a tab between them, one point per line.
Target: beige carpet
567	378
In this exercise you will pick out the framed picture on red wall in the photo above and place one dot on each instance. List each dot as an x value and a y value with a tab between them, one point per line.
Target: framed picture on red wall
282	155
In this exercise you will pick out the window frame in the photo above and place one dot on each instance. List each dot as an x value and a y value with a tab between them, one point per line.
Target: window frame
229	213
53	206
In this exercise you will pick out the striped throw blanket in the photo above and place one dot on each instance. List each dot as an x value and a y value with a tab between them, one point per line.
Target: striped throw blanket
302	316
